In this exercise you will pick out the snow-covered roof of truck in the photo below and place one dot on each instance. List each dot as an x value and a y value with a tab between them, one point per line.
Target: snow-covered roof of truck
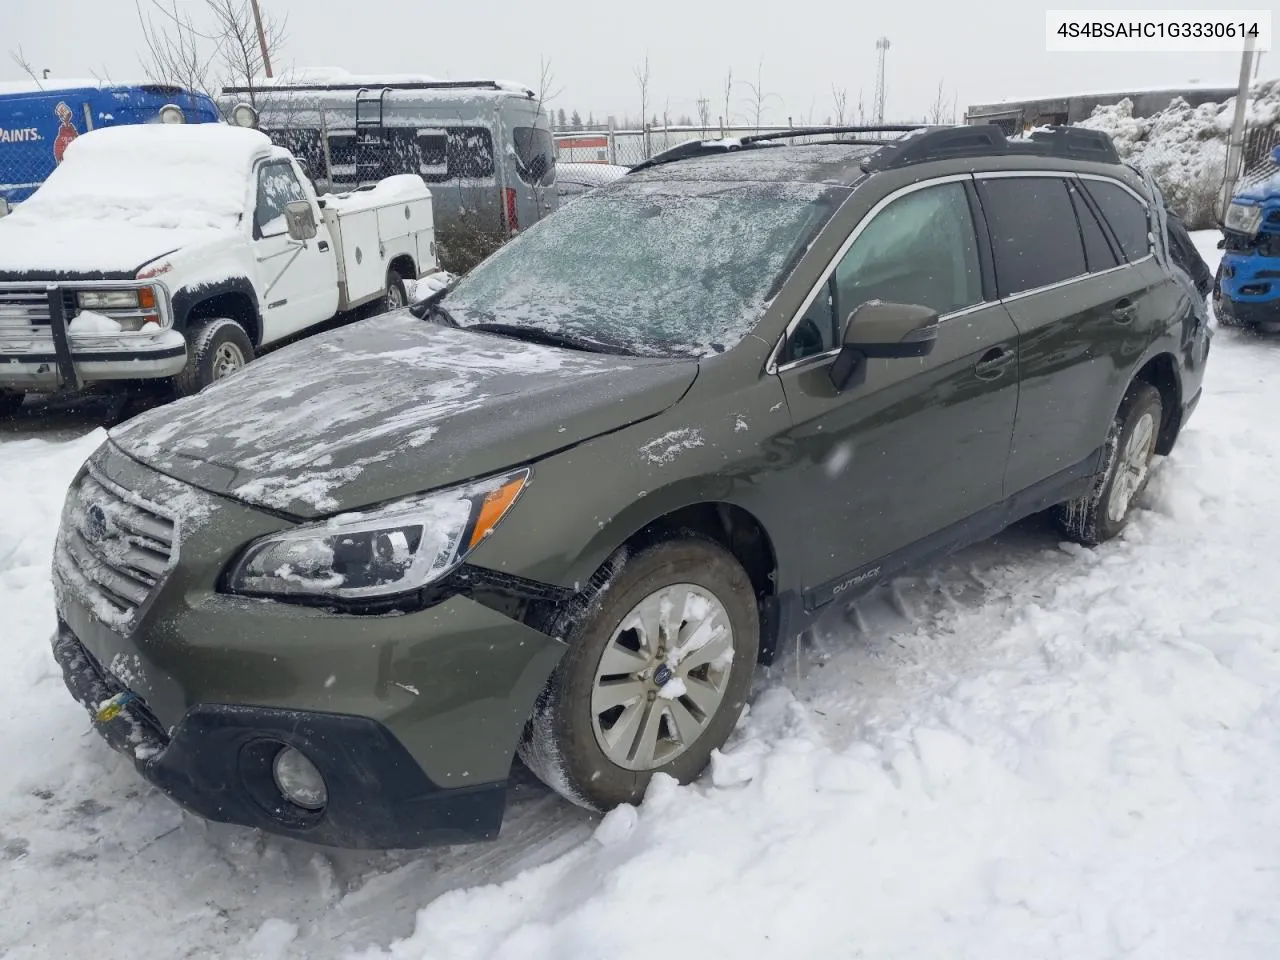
125	195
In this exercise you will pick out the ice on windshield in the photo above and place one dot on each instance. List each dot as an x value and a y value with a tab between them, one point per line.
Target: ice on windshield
661	267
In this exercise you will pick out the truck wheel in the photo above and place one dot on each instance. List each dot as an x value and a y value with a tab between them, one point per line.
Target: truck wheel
1130	448
662	648
215	349
10	403
395	296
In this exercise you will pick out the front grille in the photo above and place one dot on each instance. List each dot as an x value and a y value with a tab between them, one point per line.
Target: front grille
116	546
29	306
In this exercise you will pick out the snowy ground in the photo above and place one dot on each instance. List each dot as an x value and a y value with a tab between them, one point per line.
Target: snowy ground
1028	751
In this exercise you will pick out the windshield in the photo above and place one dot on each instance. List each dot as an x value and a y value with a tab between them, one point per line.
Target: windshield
655	268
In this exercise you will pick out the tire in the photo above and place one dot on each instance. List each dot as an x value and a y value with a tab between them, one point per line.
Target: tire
395	297
565	741
1130	448
215	349
11	403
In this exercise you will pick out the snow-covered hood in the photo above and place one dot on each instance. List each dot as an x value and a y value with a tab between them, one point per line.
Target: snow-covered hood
89	249
391	407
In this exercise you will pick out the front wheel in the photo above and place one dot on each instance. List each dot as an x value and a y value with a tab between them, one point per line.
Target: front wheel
215	349
1130	449
658	669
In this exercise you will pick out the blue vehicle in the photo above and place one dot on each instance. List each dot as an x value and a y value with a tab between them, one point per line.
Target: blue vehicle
36	125
1246	291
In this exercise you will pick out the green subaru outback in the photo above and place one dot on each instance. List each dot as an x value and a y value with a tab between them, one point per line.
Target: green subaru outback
564	508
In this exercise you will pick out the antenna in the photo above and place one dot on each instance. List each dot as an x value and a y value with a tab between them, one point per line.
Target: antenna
882	47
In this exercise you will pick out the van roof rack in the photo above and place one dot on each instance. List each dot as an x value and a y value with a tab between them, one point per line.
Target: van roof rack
356	87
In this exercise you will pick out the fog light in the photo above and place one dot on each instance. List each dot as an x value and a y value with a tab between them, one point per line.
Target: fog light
299	780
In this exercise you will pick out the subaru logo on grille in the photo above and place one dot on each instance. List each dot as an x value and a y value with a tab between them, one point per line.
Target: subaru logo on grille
95	527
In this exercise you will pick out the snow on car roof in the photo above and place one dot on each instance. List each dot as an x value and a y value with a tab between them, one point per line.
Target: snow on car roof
134	188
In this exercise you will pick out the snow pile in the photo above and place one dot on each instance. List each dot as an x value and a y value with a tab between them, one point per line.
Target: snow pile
402	186
125	195
1184	147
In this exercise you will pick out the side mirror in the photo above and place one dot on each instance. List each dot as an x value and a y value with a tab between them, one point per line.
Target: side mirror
877	329
299	220
4	207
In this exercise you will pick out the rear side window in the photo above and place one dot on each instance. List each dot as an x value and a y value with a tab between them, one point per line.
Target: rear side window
1097	248
1033	232
437	154
536	154
1126	215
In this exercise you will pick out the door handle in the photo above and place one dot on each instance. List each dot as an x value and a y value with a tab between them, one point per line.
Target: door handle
1124	311
993	362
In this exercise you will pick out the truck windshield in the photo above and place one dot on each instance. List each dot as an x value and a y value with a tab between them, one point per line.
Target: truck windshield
676	268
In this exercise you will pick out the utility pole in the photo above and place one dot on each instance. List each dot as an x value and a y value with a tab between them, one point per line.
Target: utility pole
1235	146
262	38
882	47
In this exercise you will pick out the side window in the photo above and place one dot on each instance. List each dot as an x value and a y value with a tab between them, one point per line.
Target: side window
277	188
455	153
1126	215
1034	233
1097	248
537	155
921	249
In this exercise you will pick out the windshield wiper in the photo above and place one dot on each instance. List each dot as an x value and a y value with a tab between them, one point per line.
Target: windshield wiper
432	308
548	338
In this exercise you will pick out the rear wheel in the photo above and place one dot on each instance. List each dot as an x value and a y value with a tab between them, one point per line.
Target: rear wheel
1130	449
215	349
395	296
660	659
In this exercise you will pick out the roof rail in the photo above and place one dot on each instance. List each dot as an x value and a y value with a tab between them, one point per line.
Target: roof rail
988	140
699	148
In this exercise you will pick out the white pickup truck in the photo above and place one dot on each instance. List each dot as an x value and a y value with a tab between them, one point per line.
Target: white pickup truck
173	251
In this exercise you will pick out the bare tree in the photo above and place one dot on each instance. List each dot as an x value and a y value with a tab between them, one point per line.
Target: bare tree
841	99
939	109
642	81
225	48
704	113
19	58
243	57
862	116
727	118
758	97
547	90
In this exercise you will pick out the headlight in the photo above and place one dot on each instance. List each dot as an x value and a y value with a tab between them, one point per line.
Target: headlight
395	549
108	299
1243	218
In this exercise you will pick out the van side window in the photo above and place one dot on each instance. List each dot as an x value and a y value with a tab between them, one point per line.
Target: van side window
1098	253
921	248
455	153
277	188
537	155
1034	233
1126	215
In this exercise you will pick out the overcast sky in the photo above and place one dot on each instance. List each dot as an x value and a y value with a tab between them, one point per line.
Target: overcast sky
981	52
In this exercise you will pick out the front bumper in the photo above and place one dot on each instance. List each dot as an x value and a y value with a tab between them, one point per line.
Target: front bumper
33	361
412	719
217	764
